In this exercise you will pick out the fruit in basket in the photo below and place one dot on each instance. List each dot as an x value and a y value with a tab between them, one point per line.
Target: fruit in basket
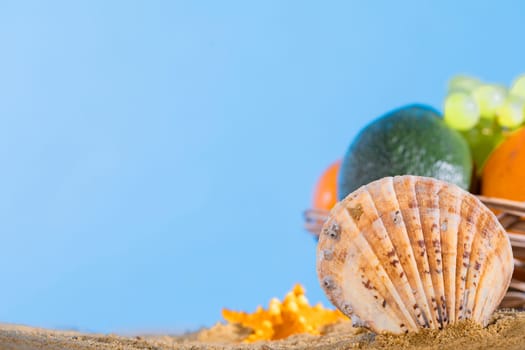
463	83
512	113
489	98
410	140
518	86
484	113
325	192
461	111
409	252
482	139
504	172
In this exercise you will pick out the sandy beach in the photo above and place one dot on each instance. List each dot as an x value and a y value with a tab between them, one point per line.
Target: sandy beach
506	330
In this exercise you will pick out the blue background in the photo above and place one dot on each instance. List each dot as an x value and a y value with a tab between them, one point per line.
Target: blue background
156	157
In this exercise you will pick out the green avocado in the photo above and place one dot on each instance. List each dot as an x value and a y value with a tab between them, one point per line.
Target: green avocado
411	140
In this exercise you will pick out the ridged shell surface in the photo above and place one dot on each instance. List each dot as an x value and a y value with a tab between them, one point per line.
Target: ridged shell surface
409	252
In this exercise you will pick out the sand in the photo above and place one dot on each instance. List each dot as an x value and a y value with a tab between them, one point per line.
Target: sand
506	331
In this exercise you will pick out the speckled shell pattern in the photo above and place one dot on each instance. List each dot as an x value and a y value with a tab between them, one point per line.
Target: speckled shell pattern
407	252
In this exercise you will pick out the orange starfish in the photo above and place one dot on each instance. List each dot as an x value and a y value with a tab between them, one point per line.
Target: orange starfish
293	315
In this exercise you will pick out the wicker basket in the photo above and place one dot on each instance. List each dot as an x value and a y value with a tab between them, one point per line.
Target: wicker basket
511	215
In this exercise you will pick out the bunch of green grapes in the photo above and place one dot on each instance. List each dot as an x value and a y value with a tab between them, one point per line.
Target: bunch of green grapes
484	113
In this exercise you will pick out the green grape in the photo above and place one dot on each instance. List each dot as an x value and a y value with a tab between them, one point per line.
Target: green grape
482	139
511	114
461	111
518	87
462	83
489	98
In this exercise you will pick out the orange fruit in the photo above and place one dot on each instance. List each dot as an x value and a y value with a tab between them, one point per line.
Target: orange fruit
504	172
325	192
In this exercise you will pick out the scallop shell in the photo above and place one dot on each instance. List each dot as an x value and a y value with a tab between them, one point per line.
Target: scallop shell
409	252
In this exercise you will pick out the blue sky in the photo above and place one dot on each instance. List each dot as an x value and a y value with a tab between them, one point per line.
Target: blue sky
157	155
